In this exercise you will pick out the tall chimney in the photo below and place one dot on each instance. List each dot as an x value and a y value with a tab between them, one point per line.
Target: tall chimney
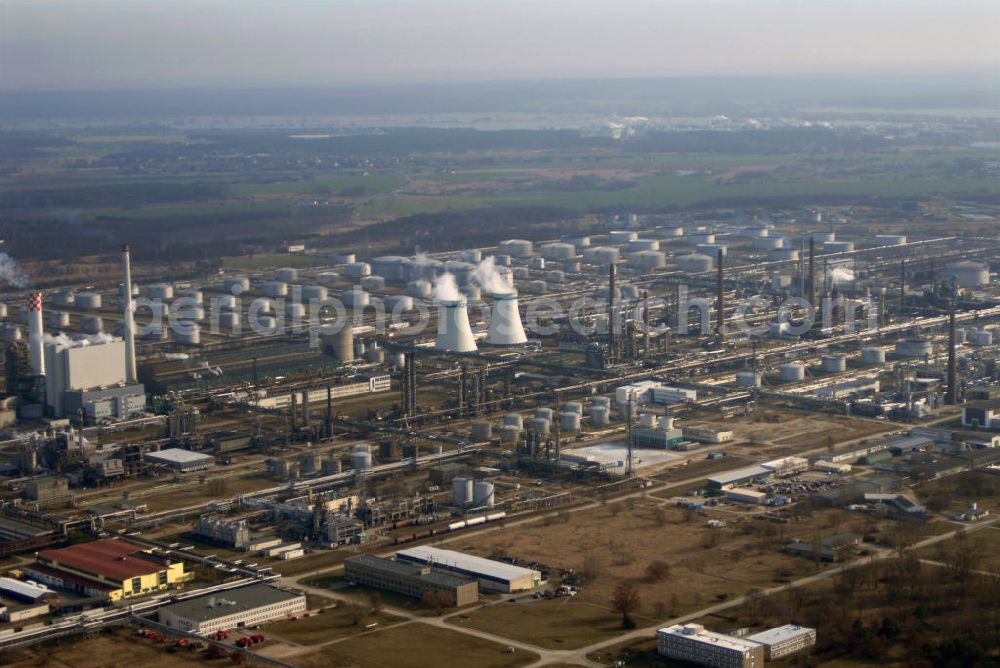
36	334
612	272
902	284
951	397
128	317
812	272
721	318
305	408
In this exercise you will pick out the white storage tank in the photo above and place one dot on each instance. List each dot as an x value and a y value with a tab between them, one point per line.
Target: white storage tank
890	239
969	275
295	311
694	262
461	491
569	422
600	401
473	255
399	303
520	273
767	243
361	458
514	419
600	416
959	335
536	263
712	250
355	298
481	430
187	334
274	288
872	355
265	323
225	302
160	291
914	347
643	245
536	287
623	236
236	284
601	255
516	247
791	372
701	238
472	293
286	274
195	296
544	412
92	324
58	319
357	269
483	494
328	278
189	311
669	231
578	242
781	282
558	251
838	246
88	301
556	276
344	258
834	363
390	266
63	298
629	292
572	266
783	255
420	289
311	292
373	283
747	379
982	337
647	260
823	237
573	407
509	434
539	425
3	310
229	320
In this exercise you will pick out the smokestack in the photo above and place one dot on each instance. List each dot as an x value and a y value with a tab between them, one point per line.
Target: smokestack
505	324
951	398
36	334
902	284
721	319
305	408
612	272
812	272
454	332
127	317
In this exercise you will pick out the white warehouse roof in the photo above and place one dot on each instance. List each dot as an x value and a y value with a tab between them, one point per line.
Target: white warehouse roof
497	570
780	634
180	457
736	475
23	589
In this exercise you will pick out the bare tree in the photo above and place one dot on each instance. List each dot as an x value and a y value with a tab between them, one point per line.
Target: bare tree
626	601
658	570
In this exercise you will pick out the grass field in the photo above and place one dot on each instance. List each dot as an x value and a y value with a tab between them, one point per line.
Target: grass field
414	645
330	624
322	185
114	649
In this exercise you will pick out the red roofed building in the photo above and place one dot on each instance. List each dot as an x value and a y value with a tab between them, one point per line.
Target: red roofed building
110	568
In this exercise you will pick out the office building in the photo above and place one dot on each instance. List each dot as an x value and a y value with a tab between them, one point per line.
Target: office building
233	608
693	643
409	579
784	640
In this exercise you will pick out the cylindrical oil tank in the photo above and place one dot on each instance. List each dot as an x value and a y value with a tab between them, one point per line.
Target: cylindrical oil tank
890	239
398	303
646	260
357	269
669	231
395	360
544	412
557	276
600	401
959	335
838	246
520	273
286	274
623	409
375	355
92	324
328	278
355	298
969	275
536	287
694	262
578	241
472	255
3	310
188	334
58	319
622	236
64	298
160	291
359	348
514	419
914	347
502	260
558	251
600	416
274	288
791	372
516	247
483	494
573	407
196	296
373	283
629	292
12	332
389	266
601	255
361	460
189	311
712	250
225	302
823	237
755	232
767	243
481	430
572	266
873	355
783	254
229	320
569	422
420	288
295	311
747	379
834	363
648	420
536	263
344	258
539	425
461	491
332	466
88	301
637	245
701	238
509	433
236	284
982	337
781	282
311	292
264	323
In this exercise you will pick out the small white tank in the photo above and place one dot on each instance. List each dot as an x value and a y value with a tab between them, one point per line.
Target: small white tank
791	372
539	425
375	283
873	355
461	491
286	274
274	288
834	363
509	433
569	422
544	412
160	291
481	430
311	292
236	284
88	301
483	494
637	245
355	298
600	416
514	419
747	379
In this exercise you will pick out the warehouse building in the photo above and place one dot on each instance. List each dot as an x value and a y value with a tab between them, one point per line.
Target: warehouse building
784	640
181	460
705	434
787	465
692	642
108	568
234	608
410	580
853	455
737	477
492	575
26	591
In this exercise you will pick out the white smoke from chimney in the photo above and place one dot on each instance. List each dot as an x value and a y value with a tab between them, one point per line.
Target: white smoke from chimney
841	275
489	279
446	288
11	272
62	339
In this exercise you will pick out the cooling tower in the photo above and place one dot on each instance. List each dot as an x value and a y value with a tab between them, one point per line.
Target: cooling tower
505	323
454	331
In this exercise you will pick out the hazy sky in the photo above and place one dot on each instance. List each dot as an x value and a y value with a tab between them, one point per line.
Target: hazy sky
48	44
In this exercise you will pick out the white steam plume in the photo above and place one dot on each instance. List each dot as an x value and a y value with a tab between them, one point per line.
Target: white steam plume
841	275
68	342
489	279
446	289
11	272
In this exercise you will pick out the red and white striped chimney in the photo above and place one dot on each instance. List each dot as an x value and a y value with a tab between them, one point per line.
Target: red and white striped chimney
36	334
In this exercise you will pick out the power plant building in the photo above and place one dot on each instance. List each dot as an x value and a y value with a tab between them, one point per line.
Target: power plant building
92	378
410	580
233	608
492	575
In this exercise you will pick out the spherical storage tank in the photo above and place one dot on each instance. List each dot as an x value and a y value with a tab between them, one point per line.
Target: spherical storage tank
461	491
274	288
569	422
694	262
483	494
516	247
647	260
793	371
872	355
286	274
481	430
88	300
600	416
914	347
747	379
834	363
601	255
969	275
160	291
236	284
